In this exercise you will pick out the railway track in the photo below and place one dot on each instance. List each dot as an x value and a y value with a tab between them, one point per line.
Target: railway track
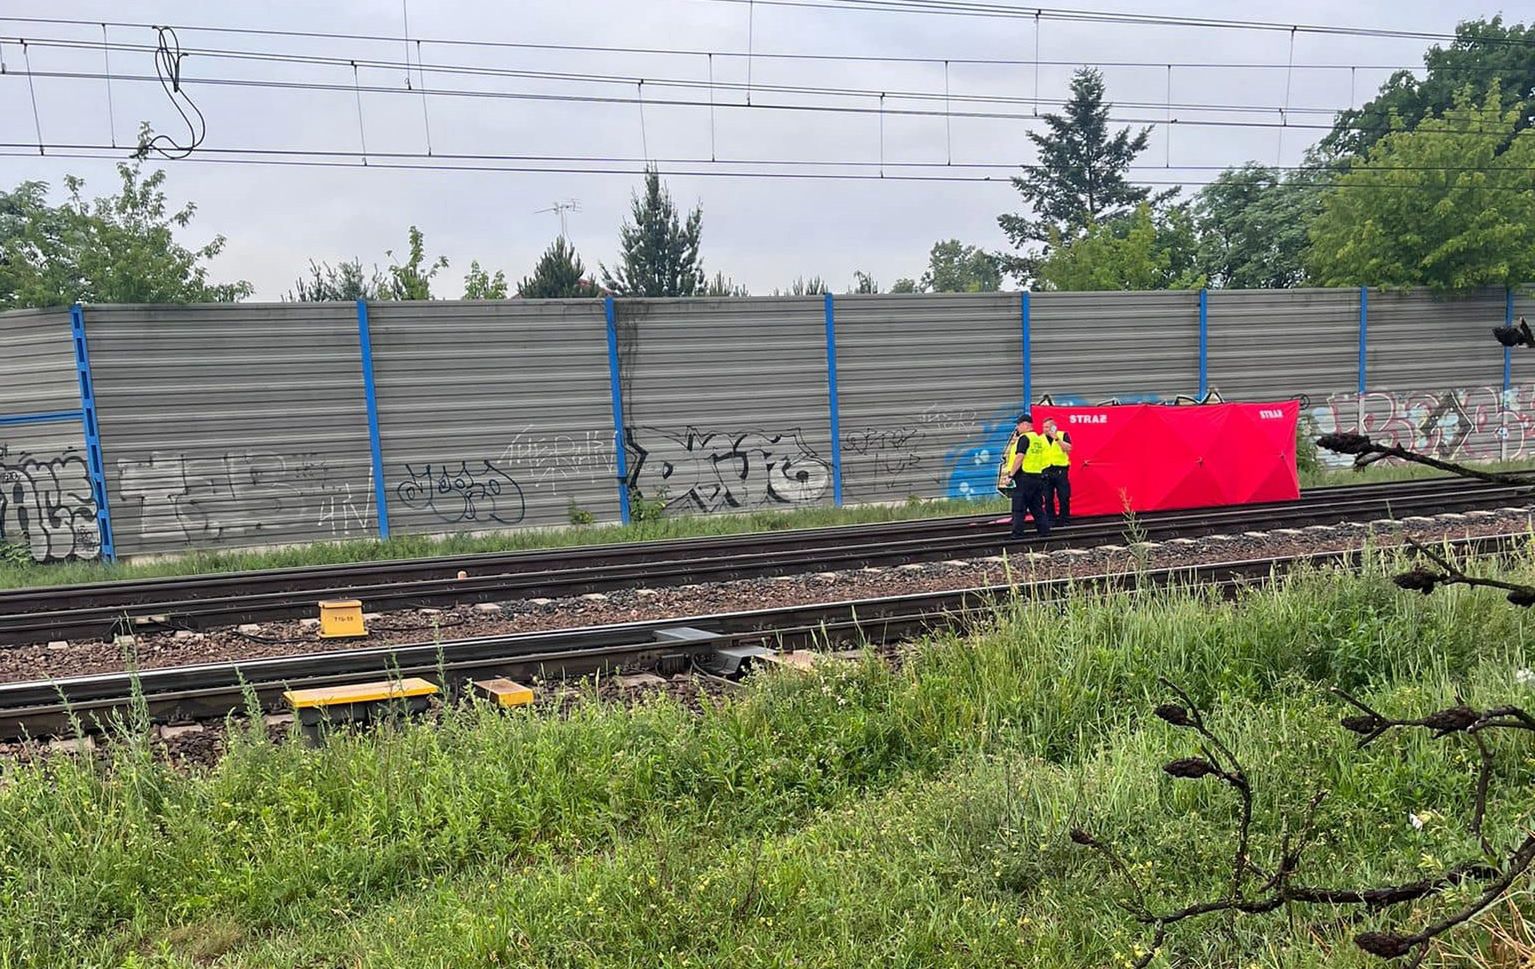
99	610
215	690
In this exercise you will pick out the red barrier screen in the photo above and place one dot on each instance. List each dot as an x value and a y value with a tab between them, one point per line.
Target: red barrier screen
1158	457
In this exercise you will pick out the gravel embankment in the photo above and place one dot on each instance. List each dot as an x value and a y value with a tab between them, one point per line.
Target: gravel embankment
40	661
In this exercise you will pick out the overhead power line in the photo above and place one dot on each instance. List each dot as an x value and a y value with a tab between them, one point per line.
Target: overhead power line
621	165
697	52
880	110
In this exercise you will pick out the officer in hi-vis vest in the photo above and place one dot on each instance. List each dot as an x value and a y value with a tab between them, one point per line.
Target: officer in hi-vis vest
1027	456
1058	475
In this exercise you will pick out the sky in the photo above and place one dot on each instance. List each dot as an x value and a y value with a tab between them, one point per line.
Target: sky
761	231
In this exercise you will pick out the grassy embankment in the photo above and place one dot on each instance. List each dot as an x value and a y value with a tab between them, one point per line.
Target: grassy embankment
855	816
17	572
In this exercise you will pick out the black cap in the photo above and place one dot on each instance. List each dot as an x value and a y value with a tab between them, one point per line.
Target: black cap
1025	416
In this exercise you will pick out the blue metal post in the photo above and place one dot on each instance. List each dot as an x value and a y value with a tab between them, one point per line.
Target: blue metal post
1204	343
620	454
94	461
1028	374
370	393
831	398
1508	356
1364	326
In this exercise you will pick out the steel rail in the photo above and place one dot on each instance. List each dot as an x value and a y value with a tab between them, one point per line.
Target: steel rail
101	609
215	690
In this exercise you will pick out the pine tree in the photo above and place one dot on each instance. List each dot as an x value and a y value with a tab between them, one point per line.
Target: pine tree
660	251
558	275
1080	178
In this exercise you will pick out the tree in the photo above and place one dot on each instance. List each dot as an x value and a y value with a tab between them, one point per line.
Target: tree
346	281
478	284
411	280
904	285
558	275
722	285
953	267
814	286
1438	206
863	284
116	249
1080	178
1253	226
660	251
1483	53
1135	252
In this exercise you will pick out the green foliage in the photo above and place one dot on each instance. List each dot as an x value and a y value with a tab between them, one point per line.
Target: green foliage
346	281
722	285
478	284
1484	54
579	515
643	510
1253	226
659	254
413	279
15	555
1449	204
1080	179
1308	459
953	267
1138	252
116	249
875	816
558	275
814	286
904	285
863	284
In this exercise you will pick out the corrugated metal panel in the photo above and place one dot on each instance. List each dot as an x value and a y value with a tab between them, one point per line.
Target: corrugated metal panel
1522	359
725	402
1273	344
1417	342
45	491
231	425
1091	347
37	367
928	387
493	415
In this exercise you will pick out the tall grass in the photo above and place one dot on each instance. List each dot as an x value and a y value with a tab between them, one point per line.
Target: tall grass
858	815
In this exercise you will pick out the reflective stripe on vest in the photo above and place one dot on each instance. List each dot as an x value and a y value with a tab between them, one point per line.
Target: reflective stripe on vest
1037	457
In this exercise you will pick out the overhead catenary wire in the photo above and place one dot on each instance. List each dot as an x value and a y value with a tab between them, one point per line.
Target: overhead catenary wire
630	166
742	54
273	84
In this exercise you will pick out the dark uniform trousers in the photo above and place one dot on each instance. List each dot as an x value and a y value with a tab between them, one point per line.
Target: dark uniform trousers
1029	499
1058	492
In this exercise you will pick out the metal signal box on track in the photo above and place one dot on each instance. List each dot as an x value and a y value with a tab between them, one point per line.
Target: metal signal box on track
341	619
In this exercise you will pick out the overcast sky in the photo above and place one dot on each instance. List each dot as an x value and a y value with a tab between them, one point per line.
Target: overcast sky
761	231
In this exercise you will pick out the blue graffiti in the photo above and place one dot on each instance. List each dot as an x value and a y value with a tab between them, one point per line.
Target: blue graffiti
973	465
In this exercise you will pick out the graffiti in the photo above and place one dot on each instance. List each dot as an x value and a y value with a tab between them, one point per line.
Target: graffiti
552	462
713	471
1461	424
46	505
190	499
891	453
1181	400
483	494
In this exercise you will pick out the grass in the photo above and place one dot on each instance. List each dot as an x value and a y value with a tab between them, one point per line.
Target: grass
854	816
17	571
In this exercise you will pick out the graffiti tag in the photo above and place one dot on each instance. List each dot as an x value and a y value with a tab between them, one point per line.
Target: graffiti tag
46	505
457	493
712	471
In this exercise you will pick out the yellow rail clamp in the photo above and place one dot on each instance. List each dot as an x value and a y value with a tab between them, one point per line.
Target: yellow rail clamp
323	697
800	659
503	692
341	619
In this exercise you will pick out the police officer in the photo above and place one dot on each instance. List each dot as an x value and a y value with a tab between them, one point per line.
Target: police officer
1027	456
1058	475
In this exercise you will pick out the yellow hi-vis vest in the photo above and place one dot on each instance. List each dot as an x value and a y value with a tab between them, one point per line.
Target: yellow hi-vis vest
1037	458
1005	469
1058	456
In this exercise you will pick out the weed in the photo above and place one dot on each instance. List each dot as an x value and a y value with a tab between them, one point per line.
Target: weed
579	515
